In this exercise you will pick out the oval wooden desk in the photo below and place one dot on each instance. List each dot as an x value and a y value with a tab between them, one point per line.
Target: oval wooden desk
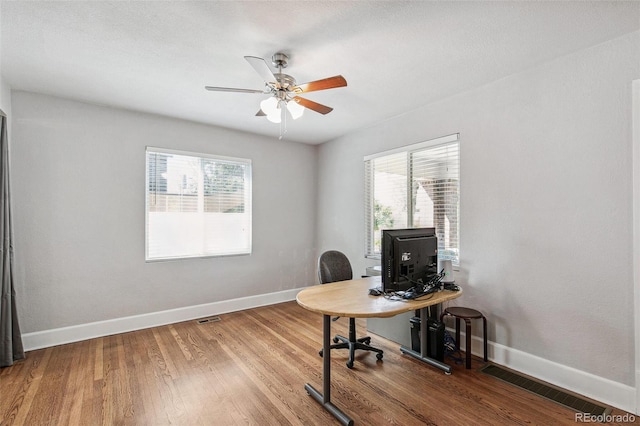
351	299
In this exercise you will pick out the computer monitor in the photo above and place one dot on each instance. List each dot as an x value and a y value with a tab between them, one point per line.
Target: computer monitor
409	256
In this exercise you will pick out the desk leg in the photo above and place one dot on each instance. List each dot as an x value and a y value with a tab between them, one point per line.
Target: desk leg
422	356
325	400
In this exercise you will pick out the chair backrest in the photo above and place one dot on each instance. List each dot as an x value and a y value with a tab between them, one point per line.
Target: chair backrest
334	266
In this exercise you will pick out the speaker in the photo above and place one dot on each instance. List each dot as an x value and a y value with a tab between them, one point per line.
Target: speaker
448	271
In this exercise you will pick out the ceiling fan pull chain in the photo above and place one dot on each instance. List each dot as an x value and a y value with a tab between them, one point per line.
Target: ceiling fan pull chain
283	121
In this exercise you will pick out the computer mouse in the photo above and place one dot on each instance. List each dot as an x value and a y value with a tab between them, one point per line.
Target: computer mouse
374	292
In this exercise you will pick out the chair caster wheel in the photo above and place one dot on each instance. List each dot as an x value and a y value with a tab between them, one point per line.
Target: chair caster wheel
320	353
336	340
379	356
447	373
349	364
367	342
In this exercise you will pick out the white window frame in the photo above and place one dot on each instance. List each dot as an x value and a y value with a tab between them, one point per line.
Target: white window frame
211	247
370	190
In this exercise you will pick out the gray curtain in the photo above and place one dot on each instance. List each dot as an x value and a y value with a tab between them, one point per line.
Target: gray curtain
10	339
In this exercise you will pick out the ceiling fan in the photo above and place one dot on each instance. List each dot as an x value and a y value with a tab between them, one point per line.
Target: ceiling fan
283	90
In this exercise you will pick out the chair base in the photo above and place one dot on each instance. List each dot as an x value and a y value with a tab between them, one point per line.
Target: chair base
354	344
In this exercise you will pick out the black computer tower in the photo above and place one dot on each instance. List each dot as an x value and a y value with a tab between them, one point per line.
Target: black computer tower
435	337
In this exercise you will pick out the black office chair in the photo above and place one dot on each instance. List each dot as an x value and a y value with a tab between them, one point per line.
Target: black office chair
334	266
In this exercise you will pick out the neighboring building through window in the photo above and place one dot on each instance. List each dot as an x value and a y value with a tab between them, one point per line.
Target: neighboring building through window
197	205
414	187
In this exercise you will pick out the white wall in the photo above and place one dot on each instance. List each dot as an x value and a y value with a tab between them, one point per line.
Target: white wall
636	229
78	178
5	98
546	206
5	90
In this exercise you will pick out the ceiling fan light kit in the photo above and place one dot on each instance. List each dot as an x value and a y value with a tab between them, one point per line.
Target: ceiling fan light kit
295	109
284	91
271	107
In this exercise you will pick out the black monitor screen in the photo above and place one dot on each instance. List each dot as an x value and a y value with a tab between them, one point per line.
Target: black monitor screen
409	257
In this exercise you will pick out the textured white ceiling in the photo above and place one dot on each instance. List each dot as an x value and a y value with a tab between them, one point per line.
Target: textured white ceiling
396	56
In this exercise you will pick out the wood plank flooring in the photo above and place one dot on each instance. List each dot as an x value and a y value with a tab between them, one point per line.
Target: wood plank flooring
250	369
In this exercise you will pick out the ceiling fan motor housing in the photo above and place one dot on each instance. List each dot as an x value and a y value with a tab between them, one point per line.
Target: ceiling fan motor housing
285	81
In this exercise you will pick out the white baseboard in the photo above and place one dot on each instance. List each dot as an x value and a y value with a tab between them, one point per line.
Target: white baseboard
637	403
76	333
595	387
637	395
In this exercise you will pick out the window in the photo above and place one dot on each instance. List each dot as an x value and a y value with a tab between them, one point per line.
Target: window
413	187
196	205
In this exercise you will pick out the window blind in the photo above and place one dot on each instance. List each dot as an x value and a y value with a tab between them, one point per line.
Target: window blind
196	205
414	187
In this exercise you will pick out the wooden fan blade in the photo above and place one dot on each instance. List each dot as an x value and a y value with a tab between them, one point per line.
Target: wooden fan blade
322	109
231	89
261	68
327	83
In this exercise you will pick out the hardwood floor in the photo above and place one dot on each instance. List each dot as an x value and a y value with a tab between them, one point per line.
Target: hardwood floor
250	368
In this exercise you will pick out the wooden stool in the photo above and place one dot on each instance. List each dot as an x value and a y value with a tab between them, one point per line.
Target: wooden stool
467	314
